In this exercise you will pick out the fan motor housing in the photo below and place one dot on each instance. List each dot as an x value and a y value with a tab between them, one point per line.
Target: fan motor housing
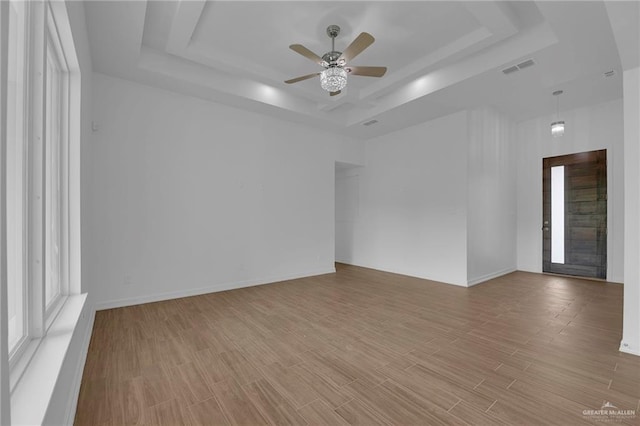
331	58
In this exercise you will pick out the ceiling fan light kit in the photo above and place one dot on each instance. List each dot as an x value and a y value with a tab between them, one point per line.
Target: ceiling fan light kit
333	78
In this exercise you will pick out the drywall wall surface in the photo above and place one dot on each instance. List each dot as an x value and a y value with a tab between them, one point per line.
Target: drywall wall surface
491	208
185	196
411	211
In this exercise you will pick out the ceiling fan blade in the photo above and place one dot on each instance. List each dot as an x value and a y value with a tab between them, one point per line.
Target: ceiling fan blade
304	77
356	47
367	71
335	93
298	48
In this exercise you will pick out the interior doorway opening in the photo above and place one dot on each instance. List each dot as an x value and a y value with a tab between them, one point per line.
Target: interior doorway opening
347	210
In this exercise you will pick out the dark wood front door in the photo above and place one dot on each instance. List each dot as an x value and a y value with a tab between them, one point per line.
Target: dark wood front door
575	197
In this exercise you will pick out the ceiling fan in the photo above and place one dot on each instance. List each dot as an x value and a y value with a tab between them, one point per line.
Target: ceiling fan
334	77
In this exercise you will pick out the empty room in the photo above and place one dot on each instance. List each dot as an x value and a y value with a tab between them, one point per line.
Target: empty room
319	212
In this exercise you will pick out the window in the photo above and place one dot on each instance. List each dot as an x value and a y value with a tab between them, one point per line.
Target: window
40	116
557	214
16	96
56	90
39	105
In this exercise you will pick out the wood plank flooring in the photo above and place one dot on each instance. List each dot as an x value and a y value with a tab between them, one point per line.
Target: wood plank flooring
364	347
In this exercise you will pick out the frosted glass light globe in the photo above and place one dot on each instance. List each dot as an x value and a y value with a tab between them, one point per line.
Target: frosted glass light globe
557	128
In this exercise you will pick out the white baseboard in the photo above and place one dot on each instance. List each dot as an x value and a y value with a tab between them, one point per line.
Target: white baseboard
399	272
624	347
615	280
490	276
138	300
77	379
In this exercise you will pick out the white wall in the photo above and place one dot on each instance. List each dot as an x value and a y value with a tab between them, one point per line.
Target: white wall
435	201
185	196
411	217
350	152
590	128
631	315
491	214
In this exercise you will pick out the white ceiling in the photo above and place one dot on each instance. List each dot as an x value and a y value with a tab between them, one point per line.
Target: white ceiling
441	56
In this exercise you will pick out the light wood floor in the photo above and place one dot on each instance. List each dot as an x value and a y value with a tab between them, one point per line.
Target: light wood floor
365	347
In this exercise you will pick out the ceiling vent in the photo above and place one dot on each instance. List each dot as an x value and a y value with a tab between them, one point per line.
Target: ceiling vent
526	64
510	70
522	65
610	73
370	122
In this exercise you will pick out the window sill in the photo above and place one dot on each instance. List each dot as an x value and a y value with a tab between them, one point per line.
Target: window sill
51	314
30	347
31	395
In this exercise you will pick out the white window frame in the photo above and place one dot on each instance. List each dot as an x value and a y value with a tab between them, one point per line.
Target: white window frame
55	53
49	33
5	414
18	348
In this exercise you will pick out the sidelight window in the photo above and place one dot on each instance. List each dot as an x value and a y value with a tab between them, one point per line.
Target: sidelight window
557	214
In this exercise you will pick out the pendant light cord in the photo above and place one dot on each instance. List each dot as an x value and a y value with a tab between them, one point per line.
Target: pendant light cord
557	94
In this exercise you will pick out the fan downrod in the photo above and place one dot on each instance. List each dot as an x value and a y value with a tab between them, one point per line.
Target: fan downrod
331	58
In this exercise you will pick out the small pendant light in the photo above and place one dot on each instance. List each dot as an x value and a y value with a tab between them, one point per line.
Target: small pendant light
557	127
